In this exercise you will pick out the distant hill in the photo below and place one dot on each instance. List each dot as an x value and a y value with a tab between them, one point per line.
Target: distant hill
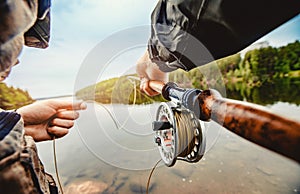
12	98
261	65
122	90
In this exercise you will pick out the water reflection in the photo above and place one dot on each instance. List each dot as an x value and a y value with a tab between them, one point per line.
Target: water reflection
283	90
232	165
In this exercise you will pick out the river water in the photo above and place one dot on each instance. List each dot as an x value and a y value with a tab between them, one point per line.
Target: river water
102	155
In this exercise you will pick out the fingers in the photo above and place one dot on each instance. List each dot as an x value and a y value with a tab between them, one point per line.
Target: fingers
37	132
145	87
59	127
58	131
79	105
68	114
62	123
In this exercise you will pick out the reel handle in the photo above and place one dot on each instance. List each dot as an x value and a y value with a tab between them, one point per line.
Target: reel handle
252	122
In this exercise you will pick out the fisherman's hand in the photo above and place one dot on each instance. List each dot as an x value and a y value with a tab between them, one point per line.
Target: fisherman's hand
147	70
48	118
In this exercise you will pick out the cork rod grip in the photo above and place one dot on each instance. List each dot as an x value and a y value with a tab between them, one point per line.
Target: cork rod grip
252	122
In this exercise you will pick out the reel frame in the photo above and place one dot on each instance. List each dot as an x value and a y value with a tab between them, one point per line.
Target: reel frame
167	137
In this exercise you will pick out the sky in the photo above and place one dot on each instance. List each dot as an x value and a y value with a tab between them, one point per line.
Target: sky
78	27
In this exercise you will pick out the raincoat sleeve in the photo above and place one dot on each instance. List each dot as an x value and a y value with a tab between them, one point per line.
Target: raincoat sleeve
8	119
21	170
189	33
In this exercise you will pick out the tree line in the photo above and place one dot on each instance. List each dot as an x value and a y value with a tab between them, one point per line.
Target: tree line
13	98
122	90
258	66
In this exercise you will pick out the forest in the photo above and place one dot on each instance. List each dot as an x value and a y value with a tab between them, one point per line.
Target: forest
258	66
122	90
264	66
13	98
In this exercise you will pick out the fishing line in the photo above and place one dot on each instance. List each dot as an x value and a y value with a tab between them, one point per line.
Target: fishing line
186	139
132	80
56	166
186	135
111	116
115	123
187	142
150	175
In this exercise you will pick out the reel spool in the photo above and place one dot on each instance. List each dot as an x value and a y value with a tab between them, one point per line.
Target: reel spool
179	134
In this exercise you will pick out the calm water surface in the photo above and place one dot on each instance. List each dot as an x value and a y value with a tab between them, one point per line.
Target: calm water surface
103	156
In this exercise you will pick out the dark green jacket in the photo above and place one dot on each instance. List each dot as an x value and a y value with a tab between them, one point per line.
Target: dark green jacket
189	33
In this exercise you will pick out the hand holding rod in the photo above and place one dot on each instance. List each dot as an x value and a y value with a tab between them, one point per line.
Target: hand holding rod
250	121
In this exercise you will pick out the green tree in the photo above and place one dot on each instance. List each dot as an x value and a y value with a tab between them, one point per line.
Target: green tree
289	57
12	98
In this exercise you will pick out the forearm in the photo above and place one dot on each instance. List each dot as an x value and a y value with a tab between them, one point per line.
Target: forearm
149	70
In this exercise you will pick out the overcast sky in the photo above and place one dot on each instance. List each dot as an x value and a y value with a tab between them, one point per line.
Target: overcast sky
78	26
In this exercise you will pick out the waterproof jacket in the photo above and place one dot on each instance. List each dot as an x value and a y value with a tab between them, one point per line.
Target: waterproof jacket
189	33
21	170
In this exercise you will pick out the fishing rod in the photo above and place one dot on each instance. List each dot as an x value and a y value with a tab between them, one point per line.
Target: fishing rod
179	123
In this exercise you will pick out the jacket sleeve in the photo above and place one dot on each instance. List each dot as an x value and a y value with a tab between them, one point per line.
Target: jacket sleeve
189	33
8	119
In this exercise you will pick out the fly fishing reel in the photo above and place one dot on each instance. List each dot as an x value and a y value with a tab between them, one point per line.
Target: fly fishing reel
179	134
